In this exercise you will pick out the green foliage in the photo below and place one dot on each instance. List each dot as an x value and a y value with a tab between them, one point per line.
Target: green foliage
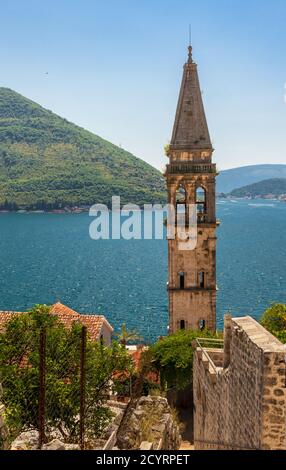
167	150
274	320
47	162
275	186
19	370
152	388
281	335
173	357
127	336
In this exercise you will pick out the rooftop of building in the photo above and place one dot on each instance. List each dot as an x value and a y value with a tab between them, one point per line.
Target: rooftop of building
68	316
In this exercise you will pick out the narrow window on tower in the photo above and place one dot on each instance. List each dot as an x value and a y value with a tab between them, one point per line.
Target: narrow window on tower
182	325
202	278
182	280
202	325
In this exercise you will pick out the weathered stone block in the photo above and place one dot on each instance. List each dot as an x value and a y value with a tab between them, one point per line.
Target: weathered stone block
270	381
276	419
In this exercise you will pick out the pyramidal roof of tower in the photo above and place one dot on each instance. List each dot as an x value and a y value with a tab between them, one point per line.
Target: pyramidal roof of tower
190	129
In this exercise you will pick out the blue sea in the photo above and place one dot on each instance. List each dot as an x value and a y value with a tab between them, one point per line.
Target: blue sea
50	257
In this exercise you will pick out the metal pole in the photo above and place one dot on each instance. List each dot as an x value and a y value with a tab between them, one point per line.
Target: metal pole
42	391
82	385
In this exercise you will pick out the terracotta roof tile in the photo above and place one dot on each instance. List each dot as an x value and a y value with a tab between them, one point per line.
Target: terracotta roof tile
67	316
62	310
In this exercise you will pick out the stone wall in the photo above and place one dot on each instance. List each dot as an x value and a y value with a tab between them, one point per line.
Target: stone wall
149	424
239	393
29	440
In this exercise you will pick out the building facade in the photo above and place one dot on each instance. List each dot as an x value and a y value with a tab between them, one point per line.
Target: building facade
191	177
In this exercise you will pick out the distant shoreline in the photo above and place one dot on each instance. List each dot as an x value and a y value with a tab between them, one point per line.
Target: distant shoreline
272	197
78	210
53	211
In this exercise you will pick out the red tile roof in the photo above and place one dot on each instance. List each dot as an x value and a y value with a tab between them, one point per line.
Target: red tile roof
67	316
5	317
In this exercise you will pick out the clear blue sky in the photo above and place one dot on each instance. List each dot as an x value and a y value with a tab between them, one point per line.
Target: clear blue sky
115	68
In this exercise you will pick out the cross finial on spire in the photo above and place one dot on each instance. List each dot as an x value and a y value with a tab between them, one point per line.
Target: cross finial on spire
190	55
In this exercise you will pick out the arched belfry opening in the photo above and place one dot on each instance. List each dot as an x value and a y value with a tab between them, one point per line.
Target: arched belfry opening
201	203
181	200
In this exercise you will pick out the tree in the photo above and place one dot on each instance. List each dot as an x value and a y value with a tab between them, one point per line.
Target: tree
172	357
274	318
19	370
126	336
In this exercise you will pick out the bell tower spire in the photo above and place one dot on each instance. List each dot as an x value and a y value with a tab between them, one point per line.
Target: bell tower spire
190	128
191	179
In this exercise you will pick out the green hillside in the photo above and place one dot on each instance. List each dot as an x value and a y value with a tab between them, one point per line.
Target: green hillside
47	162
275	186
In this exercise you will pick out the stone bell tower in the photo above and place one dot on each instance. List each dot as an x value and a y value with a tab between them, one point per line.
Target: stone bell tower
191	179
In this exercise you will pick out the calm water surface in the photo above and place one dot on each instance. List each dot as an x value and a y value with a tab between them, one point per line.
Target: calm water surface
49	257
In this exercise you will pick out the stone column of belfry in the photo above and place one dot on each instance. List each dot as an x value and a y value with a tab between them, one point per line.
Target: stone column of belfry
192	273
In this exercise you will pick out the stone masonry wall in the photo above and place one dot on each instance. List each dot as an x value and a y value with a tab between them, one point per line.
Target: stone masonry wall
149	424
243	404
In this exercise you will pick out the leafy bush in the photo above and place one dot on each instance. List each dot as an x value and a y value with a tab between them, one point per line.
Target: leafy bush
172	357
274	320
19	370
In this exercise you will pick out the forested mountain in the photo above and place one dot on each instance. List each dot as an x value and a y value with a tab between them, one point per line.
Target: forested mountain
275	186
47	162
